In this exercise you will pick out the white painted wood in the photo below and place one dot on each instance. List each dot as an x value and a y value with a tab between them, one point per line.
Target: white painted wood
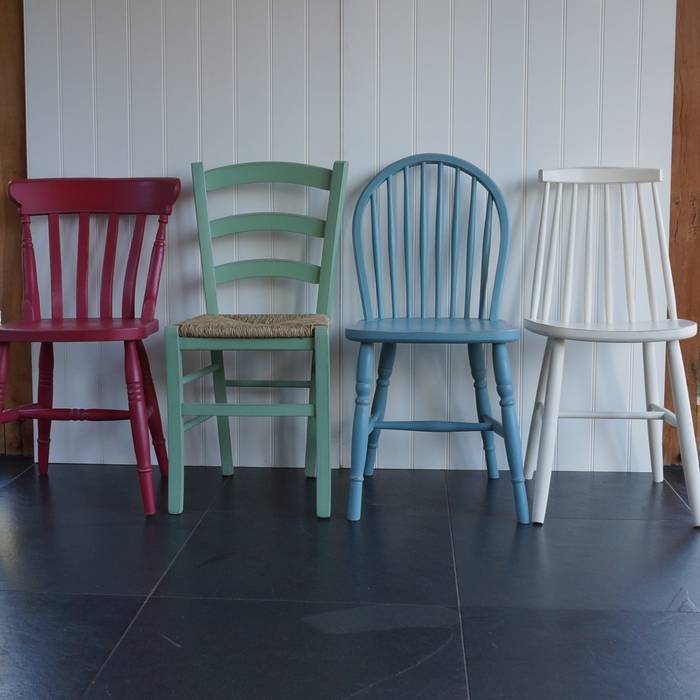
509	86
639	332
601	175
653	399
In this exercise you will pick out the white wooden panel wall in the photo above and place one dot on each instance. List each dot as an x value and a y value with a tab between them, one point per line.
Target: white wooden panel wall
119	87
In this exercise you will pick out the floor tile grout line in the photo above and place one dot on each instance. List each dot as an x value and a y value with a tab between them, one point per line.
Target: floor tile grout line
17	476
459	602
303	601
682	500
143	604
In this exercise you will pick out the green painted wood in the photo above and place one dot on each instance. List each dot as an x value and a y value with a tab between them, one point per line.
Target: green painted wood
222	422
194	422
176	472
198	374
245	269
271	383
246	343
322	383
267	221
267	172
310	454
206	253
247	409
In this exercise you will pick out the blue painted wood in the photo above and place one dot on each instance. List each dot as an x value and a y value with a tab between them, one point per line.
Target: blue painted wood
432	330
477	364
386	365
504	386
389	326
360	429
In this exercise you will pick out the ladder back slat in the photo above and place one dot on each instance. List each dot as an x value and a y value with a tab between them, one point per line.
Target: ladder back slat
439	214
628	255
267	221
646	253
485	257
570	253
377	255
81	275
110	254
535	300
423	243
454	244
391	231
132	263
245	269
55	264
408	237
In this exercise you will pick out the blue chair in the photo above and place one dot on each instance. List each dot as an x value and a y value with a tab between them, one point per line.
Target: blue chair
398	312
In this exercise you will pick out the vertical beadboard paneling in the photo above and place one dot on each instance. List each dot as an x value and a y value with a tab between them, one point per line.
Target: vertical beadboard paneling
147	87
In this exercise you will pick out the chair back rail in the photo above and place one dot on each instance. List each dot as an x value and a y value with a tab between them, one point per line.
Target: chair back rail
93	197
450	191
328	229
619	231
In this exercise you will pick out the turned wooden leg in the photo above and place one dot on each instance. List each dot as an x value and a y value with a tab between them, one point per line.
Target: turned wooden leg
45	400
155	423
139	423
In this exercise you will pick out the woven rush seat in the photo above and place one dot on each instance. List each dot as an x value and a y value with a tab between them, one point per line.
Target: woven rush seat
252	325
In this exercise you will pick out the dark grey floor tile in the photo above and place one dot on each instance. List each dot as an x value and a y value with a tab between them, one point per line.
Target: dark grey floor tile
389	556
51	646
572	495
576	563
12	467
288	491
244	649
580	655
82	530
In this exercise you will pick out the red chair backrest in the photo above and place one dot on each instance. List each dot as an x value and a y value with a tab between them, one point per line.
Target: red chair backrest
86	197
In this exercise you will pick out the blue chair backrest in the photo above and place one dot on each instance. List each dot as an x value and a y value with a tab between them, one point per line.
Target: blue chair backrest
446	250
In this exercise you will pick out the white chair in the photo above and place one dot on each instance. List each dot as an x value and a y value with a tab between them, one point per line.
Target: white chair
573	298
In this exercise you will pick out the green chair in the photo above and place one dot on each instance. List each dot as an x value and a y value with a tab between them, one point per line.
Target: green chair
215	332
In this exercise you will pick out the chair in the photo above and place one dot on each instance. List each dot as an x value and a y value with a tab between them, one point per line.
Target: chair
569	312
88	198
399	311
216	333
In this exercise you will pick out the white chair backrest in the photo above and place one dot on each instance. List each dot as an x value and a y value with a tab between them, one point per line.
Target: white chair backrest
567	262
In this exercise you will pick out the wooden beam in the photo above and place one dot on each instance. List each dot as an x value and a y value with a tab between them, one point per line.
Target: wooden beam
685	197
15	438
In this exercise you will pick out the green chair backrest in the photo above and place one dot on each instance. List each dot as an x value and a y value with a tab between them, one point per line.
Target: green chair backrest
328	229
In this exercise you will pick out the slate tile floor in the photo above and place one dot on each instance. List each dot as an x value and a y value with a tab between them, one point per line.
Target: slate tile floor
437	593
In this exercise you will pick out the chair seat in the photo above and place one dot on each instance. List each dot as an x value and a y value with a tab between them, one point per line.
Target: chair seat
432	330
638	332
252	325
75	330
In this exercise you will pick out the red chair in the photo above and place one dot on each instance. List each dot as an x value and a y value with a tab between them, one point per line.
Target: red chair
86	197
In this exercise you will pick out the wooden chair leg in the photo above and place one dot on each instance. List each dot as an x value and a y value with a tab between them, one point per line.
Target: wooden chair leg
322	423
686	432
310	456
533	438
222	422
477	364
381	392
654	427
155	424
139	424
550	420
511	432
45	400
360	429
176	476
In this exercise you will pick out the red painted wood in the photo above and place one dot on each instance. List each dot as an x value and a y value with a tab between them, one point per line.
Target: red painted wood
107	285
45	401
55	264
77	330
114	197
155	424
81	292
132	267
139	424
